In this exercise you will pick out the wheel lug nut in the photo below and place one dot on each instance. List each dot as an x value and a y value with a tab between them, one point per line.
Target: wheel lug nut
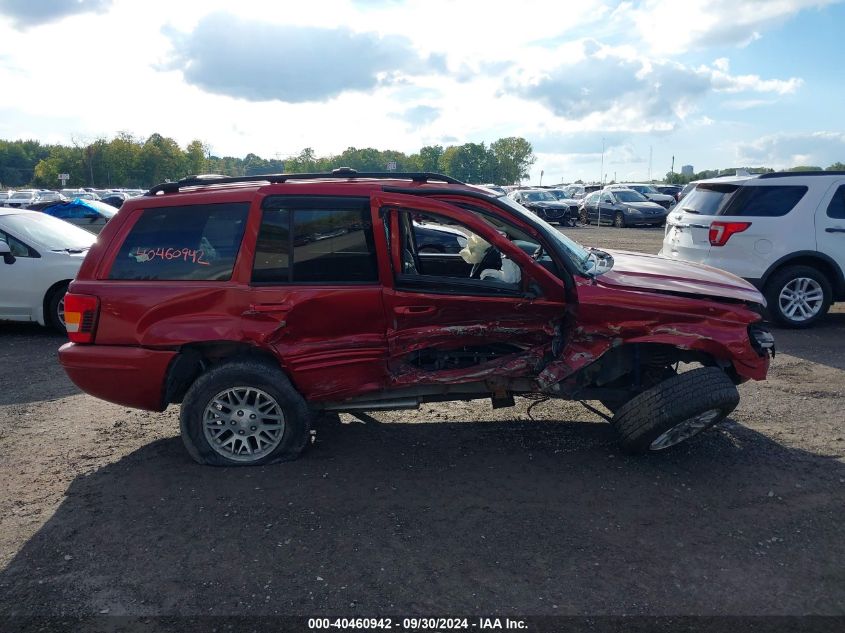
252	417
233	423
253	428
240	432
240	412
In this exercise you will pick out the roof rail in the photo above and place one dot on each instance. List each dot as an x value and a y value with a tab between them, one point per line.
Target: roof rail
341	172
786	174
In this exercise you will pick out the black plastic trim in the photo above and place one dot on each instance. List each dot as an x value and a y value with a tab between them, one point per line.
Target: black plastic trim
344	173
838	283
788	174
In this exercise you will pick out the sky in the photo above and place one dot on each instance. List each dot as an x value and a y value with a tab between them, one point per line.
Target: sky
600	89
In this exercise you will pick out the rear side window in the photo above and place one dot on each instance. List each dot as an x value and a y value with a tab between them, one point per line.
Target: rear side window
196	242
708	199
766	202
836	208
319	241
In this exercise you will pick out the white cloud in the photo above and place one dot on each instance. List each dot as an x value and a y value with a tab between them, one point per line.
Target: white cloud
673	27
789	150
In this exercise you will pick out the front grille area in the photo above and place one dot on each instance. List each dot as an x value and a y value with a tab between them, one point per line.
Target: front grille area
665	203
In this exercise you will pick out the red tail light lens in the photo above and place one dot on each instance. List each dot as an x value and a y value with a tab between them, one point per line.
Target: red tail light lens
720	232
81	317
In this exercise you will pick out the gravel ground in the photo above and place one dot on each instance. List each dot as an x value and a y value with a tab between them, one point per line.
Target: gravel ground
455	508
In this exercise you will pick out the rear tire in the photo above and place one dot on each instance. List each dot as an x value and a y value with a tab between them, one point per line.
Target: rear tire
585	218
244	413
55	308
798	296
675	410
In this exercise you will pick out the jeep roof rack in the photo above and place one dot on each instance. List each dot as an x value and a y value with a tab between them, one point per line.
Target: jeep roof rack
342	172
786	174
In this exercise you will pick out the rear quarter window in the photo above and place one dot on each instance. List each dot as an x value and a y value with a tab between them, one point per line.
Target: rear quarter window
836	208
192	243
766	201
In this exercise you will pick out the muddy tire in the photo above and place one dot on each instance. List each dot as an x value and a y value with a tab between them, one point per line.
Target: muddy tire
244	413
675	410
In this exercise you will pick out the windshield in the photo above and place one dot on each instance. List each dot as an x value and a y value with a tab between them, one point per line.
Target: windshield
628	196
536	196
577	254
46	231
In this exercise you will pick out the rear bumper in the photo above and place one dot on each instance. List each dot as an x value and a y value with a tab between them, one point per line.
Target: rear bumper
129	376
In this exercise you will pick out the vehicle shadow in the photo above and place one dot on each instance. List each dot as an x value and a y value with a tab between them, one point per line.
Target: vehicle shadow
30	371
485	518
824	343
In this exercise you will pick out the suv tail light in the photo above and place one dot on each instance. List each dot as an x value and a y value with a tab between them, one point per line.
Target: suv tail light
720	232
81	317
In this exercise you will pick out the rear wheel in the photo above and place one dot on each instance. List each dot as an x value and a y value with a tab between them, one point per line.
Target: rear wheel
244	413
619	220
675	410
55	304
798	296
585	219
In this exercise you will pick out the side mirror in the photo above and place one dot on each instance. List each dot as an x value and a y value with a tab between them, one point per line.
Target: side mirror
6	252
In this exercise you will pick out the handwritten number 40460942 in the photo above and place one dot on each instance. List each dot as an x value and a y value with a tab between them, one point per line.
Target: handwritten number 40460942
170	254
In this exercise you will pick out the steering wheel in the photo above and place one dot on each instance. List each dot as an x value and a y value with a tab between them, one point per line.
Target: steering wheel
492	259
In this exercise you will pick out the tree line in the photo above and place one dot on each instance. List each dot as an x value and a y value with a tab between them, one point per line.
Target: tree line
126	161
675	178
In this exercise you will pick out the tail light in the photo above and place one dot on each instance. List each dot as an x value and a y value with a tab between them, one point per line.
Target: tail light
81	317
720	232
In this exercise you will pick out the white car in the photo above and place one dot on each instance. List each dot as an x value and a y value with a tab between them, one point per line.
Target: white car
664	200
41	255
783	232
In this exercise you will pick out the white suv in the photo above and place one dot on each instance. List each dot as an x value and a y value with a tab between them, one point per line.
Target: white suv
783	232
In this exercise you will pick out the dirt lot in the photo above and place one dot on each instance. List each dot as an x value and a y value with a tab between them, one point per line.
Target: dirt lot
456	508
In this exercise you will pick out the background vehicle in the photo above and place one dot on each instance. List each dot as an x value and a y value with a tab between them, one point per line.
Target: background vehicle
115	198
41	255
576	191
620	207
546	205
261	302
22	198
783	232
670	190
90	215
648	192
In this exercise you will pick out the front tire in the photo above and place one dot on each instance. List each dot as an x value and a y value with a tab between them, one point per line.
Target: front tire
619	220
798	296
675	410
244	413
585	218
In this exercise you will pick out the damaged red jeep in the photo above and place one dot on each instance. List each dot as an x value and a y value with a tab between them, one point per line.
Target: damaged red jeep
260	303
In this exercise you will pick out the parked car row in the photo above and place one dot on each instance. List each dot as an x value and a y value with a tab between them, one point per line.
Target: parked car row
26	198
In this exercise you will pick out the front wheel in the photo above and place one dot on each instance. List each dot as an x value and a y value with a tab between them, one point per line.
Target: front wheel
585	219
798	296
619	220
244	413
675	410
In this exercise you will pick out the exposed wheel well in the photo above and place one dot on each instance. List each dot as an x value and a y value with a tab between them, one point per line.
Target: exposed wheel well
827	268
195	359
45	302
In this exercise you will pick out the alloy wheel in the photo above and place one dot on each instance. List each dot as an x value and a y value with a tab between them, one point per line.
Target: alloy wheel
243	424
801	299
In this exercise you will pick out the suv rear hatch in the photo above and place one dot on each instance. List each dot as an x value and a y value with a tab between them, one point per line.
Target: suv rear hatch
687	233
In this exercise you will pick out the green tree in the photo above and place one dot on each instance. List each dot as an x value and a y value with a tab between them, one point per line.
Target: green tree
837	166
470	162
805	168
195	161
162	159
513	158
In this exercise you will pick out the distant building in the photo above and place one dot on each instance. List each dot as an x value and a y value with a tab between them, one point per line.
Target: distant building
687	170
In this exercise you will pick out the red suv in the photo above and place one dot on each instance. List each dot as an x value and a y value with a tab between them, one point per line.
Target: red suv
260	303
